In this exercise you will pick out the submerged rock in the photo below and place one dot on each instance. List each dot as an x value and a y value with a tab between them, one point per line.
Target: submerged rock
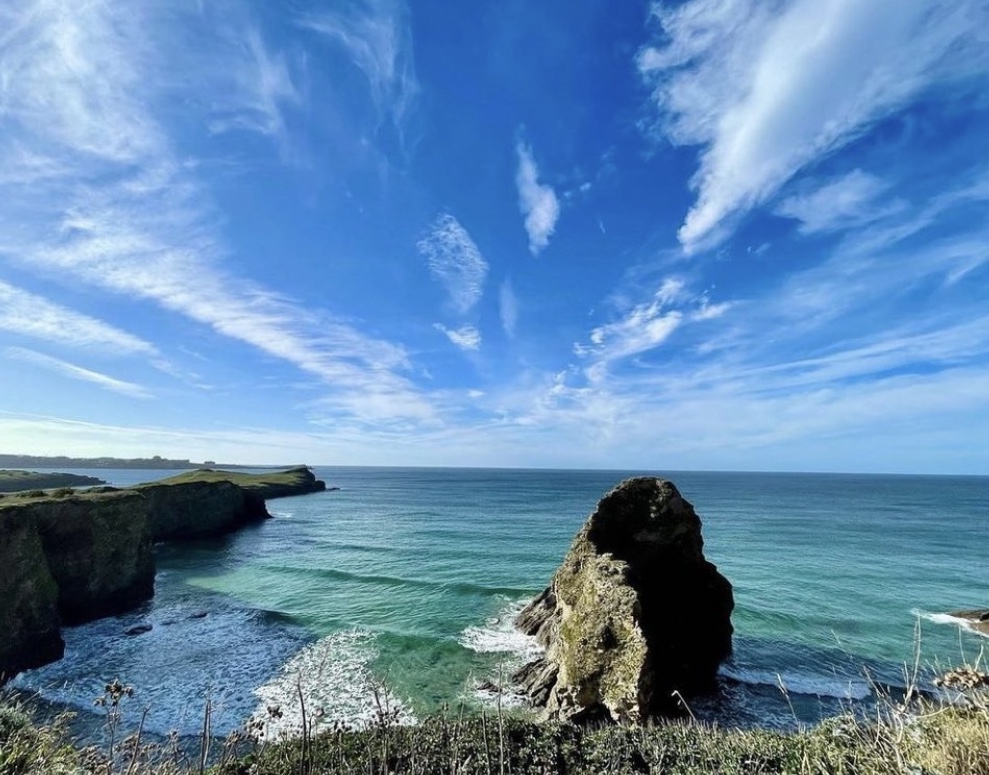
635	615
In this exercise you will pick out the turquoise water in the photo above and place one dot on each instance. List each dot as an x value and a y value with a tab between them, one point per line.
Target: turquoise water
398	590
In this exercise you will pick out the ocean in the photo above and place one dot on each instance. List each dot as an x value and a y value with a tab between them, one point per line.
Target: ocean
395	594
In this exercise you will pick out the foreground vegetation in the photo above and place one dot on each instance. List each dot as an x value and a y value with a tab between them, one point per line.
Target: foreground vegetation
924	738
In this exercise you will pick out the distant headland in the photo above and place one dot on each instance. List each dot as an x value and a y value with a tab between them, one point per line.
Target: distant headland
156	462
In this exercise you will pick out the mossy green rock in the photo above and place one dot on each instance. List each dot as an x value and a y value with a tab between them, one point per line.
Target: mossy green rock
635	615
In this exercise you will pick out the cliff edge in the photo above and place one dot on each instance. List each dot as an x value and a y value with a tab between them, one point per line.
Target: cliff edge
634	616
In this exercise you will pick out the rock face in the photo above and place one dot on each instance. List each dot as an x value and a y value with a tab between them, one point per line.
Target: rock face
98	549
29	621
68	560
634	614
185	510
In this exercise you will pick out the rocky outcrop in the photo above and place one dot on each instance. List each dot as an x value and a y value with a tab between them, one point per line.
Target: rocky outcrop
191	509
29	620
634	616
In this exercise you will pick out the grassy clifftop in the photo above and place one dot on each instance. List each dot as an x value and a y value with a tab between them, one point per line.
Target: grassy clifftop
270	484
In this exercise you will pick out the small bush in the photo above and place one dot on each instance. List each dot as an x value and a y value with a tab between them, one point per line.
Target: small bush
13	719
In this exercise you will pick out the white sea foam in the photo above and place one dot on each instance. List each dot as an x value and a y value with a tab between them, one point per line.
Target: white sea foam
334	678
957	621
498	635
815	685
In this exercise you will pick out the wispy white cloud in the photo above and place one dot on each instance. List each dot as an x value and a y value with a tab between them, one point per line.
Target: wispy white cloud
72	371
375	36
847	201
94	190
30	315
537	201
508	308
262	89
644	327
467	338
767	88
455	261
708	311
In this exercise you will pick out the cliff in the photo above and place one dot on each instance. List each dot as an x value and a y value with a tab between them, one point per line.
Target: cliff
206	502
29	617
199	509
634	616
68	560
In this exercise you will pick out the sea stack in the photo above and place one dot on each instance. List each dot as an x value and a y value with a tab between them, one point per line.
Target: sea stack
634	618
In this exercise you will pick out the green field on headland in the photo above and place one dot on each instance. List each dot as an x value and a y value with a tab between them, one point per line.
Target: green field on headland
273	484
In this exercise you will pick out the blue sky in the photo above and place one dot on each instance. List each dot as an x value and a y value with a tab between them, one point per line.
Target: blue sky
732	234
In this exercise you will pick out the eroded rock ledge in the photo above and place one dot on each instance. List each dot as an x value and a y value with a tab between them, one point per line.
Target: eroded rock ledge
634	616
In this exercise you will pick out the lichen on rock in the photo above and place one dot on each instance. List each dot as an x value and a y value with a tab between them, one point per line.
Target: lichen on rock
635	617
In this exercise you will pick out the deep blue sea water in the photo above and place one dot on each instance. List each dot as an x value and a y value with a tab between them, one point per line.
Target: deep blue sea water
399	589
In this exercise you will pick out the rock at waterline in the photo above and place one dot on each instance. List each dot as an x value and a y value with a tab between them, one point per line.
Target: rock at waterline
635	615
977	620
138	629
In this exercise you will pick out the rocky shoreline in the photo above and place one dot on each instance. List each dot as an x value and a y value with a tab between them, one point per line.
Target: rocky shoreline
70	558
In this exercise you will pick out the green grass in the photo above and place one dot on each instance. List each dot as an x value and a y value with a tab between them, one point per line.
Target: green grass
293	477
925	738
